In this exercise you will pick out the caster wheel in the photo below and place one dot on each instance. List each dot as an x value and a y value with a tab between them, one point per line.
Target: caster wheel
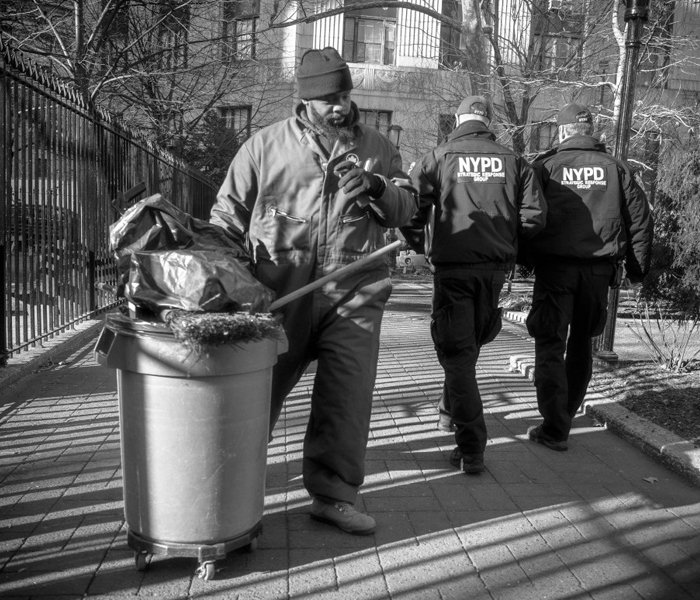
141	560
252	546
206	571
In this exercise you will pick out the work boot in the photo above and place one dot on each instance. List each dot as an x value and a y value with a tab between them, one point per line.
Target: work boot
535	434
471	464
344	516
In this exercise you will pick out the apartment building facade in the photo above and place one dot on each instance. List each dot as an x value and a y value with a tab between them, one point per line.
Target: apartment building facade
411	68
404	64
412	61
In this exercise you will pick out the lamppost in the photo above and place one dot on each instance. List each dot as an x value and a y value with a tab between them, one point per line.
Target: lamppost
636	14
394	134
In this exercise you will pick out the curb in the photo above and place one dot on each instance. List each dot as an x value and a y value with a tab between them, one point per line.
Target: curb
51	351
674	452
524	365
515	316
677	454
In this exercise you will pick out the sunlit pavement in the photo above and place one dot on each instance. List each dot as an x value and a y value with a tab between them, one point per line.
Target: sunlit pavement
600	521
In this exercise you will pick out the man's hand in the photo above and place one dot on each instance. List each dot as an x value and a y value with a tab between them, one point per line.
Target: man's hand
355	181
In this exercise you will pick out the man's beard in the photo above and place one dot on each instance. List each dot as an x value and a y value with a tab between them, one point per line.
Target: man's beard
332	126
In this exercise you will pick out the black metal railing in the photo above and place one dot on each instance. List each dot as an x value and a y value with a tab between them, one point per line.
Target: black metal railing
65	171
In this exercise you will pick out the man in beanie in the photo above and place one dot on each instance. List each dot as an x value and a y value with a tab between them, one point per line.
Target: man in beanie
480	197
598	217
312	194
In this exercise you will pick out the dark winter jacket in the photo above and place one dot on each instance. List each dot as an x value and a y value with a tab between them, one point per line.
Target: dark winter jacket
282	194
482	197
597	211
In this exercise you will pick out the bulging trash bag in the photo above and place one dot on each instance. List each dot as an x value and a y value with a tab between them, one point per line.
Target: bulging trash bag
168	259
194	280
156	224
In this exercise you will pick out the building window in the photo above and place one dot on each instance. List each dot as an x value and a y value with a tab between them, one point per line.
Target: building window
173	34
115	32
558	35
558	52
236	119
240	23
370	36
379	119
450	37
117	23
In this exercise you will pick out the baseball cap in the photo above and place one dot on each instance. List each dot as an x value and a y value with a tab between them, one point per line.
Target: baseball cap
475	105
574	113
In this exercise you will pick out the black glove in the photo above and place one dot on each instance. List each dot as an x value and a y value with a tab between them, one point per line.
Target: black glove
355	181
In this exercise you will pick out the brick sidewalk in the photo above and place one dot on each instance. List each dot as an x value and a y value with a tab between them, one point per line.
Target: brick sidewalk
601	521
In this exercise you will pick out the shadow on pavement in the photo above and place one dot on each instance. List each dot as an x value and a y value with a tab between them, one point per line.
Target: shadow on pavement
599	521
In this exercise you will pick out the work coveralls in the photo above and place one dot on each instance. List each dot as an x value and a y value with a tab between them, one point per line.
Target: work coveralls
598	216
282	194
482	197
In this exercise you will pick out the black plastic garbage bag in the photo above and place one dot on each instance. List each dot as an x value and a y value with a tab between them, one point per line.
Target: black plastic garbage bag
168	259
194	280
156	224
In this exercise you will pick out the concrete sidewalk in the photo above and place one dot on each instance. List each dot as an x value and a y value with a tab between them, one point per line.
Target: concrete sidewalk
600	521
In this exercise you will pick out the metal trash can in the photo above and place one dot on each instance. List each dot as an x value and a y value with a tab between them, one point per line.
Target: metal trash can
194	434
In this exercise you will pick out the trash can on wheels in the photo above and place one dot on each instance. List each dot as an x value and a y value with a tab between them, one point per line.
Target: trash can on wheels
194	434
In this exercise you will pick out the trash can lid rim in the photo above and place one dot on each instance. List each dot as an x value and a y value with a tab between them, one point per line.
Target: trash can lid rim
125	324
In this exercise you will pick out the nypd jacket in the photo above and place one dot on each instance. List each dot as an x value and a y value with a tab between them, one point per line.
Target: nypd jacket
482	197
597	211
281	194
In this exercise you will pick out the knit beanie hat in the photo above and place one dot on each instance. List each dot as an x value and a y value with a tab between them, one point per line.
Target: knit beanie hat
475	105
322	72
574	113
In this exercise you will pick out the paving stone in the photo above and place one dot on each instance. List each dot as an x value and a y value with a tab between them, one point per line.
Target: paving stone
538	524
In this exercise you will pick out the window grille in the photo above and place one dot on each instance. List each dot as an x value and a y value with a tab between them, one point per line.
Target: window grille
239	27
237	119
370	36
379	119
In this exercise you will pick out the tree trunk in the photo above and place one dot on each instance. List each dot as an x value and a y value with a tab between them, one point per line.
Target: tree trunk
80	73
619	75
473	45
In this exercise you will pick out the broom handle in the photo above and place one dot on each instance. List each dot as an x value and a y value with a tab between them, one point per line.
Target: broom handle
341	273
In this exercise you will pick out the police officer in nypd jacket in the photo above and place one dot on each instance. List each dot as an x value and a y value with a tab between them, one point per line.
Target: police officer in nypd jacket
598	217
480	198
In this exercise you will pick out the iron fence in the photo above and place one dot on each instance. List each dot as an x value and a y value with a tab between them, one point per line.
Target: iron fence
65	172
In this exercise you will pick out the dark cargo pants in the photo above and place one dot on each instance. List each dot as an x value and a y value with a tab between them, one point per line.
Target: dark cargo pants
569	308
341	331
465	317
